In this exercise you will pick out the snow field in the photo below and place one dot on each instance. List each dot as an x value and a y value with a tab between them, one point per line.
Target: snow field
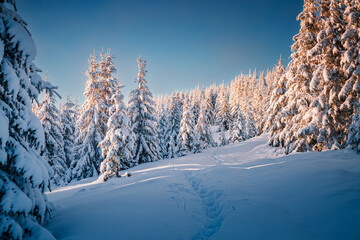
241	191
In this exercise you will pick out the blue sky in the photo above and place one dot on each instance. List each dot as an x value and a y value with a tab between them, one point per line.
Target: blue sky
186	43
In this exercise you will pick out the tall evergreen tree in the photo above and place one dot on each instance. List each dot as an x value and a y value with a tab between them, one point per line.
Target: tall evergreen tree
350	65
209	106
237	129
141	111
68	129
298	96
195	101
77	111
107	80
54	144
174	119
187	139
262	102
277	101
91	126
223	114
24	174
118	143
238	132
250	128
162	126
323	124
202	130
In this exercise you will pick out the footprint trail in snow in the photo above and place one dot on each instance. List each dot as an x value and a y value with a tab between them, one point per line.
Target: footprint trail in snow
212	206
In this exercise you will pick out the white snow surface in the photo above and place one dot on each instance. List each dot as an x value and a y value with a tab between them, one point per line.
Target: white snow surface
242	191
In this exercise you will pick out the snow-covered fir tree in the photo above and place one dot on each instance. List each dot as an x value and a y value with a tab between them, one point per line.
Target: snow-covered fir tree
195	101
162	126
67	123
209	106
237	128
249	109
118	144
24	174
298	96
143	122
234	97
53	150
250	124
223	114
350	65
76	109
107	80
173	122
253	95
262	101
238	133
325	129
321	80
91	127
202	130
187	139
277	100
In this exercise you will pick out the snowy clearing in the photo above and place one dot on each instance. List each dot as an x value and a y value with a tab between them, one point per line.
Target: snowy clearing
241	191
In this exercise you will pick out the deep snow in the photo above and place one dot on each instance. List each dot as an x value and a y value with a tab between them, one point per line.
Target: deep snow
241	191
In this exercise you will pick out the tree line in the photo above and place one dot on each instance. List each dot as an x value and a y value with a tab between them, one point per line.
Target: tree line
107	134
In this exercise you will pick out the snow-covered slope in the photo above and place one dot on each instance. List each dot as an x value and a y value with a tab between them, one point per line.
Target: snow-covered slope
241	191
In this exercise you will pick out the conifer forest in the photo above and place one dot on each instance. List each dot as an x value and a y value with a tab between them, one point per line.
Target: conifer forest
268	154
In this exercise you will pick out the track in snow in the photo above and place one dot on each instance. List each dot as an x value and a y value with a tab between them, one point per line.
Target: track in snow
212	206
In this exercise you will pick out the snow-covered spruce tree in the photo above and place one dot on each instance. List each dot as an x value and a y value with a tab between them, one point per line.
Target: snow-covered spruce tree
209	107
68	129
253	96
250	128
76	110
298	96
223	114
202	130
24	174
238	133
53	151
267	88
195	101
162	126
234	97
214	91
262	102
350	65
142	116
187	139
250	111
324	124
108	82
277	100
91	126
119	140
173	120
237	128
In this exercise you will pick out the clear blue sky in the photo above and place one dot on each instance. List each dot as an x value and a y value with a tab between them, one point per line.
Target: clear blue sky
186	43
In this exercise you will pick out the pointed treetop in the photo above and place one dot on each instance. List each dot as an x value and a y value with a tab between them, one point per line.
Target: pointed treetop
280	61
142	71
